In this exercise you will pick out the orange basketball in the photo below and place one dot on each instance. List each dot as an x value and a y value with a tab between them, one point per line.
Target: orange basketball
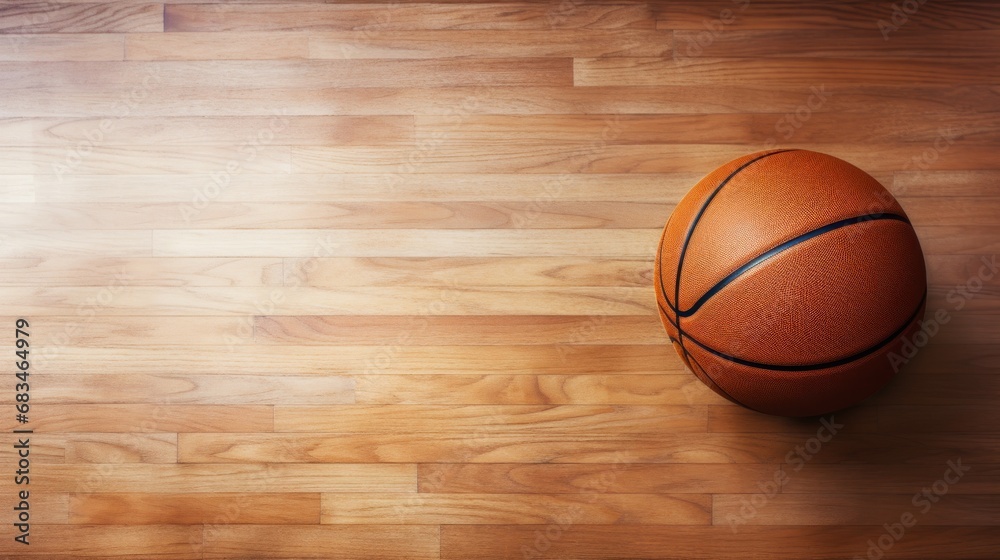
786	278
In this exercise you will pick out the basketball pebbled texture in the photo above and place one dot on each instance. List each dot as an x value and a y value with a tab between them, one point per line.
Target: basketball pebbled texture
785	279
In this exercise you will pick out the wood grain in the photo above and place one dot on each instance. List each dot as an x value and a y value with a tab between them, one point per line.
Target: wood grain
51	17
373	279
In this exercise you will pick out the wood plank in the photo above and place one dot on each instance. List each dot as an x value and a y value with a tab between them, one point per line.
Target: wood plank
963	418
218	74
915	183
120	448
81	243
958	389
227	478
588	129
649	360
160	301
468	542
470	271
75	47
908	42
774	14
519	478
735	419
902	479
619	243
194	509
959	240
806	72
56	334
615	389
483	420
51	17
953	211
860	509
941	358
345	188
641	158
106	159
413	542
487	16
200	97
209	131
192	389
459	330
371	44
486	509
216	46
490	448
124	418
168	542
160	271
550	214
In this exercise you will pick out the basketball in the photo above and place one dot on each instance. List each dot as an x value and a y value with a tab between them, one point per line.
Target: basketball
787	281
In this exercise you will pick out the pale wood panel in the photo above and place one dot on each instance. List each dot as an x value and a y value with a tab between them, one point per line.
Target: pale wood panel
84	243
245	132
489	44
192	389
774	14
216	46
104	159
523	15
778	543
412	542
541	214
860	509
641	158
589	478
180	542
17	189
218	478
483	420
194	509
372	359
500	448
48	48
615	389
715	128
165	100
120	77
908	41
119	448
404	243
348	188
51	17
516	509
162	271
469	271
453	300
953	211
89	328
459	330
125	418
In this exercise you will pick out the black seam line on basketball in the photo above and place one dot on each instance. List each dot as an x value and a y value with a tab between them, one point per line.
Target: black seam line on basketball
784	246
690	232
824	365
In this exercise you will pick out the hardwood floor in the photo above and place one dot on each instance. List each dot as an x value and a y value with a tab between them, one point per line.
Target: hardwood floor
373	279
